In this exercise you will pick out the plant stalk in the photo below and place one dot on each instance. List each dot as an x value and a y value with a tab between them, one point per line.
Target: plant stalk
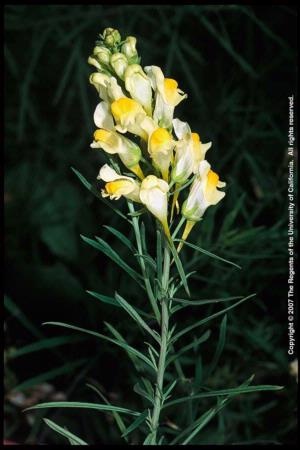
142	264
158	400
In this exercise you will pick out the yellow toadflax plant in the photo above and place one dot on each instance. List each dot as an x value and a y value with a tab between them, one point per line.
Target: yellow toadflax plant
159	165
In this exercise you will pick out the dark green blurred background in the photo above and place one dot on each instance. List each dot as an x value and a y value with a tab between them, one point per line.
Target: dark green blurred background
237	64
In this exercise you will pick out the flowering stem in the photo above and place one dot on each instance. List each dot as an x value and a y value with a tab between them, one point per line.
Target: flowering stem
158	399
135	222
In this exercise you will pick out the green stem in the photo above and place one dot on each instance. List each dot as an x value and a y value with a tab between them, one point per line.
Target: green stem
158	401
135	223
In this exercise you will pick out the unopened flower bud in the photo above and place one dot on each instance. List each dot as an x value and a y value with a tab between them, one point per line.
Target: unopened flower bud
129	47
102	54
93	61
111	37
119	63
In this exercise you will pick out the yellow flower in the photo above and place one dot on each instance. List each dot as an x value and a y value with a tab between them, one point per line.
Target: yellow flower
113	143
203	193
139	86
128	115
153	195
199	150
160	146
167	96
118	185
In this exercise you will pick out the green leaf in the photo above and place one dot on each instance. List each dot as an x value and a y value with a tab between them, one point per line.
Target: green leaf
207	319
137	422
117	417
135	315
230	391
220	347
202	420
179	267
112	301
123	345
187	302
136	362
212	255
83	405
169	389
139	390
104	298
108	251
67	434
205	336
44	343
94	191
121	237
50	375
20	316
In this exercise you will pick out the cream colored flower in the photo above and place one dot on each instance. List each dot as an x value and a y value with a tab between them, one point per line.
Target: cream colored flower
139	86
189	152
119	63
128	115
153	195
167	96
118	185
203	193
113	143
107	87
102	54
129	47
103	117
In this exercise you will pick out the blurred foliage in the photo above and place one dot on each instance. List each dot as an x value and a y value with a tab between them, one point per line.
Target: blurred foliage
237	65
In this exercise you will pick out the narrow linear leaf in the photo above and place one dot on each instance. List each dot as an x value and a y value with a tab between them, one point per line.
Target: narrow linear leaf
207	319
138	421
112	301
83	405
50	375
44	343
97	194
139	390
205	301
121	237
67	434
179	268
230	391
220	347
108	251
123	345
135	315
212	255
117	417
205	336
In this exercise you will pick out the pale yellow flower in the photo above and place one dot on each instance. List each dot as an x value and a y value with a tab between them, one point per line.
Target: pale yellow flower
160	146
119	63
129	47
128	115
203	193
154	195
118	185
167	96
189	152
107	87
139	86
113	143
